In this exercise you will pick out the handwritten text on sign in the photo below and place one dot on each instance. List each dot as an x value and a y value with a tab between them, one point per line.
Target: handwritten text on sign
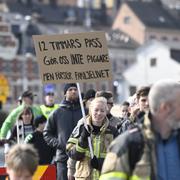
73	57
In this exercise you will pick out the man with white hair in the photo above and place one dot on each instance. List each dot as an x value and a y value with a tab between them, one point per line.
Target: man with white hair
153	150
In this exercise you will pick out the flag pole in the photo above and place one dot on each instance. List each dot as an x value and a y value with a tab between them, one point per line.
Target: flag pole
84	119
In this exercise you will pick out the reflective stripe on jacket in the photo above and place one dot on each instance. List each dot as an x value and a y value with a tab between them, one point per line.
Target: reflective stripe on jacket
131	156
100	143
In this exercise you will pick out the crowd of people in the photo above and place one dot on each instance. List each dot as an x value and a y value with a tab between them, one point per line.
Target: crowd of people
140	142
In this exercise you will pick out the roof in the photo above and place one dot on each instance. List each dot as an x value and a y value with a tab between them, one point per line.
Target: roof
57	14
175	54
153	14
118	39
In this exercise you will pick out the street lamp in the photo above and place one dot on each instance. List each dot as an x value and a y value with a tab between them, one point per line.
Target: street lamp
23	46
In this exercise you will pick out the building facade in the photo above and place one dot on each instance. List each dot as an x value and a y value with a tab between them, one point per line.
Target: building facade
144	21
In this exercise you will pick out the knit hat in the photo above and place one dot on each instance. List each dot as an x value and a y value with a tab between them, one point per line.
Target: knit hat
39	120
67	86
28	93
89	94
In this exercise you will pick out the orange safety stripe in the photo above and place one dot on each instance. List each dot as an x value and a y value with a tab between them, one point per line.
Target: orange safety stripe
42	173
39	172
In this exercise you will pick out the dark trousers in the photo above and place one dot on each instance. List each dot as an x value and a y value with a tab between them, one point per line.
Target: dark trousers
61	168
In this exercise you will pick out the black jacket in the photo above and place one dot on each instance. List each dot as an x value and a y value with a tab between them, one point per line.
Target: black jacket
45	152
60	125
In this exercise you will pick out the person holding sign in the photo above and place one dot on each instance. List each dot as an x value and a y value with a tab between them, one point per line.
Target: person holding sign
110	102
101	134
60	125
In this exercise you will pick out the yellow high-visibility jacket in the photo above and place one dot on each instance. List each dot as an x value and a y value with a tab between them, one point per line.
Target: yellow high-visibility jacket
132	155
100	143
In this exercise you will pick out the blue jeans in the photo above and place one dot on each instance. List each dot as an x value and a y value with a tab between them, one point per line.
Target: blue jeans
61	169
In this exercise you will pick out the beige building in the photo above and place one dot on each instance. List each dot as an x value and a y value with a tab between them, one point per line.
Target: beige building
82	3
24	68
145	21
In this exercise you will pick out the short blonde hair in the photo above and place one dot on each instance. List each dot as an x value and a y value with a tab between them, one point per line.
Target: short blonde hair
22	157
97	100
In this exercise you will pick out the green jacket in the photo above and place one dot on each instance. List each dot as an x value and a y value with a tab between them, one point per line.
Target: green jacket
13	116
100	143
131	155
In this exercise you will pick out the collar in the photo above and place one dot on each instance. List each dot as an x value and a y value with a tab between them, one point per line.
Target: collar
148	131
50	106
103	127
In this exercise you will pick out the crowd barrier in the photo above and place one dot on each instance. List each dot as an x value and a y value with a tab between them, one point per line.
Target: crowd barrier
44	172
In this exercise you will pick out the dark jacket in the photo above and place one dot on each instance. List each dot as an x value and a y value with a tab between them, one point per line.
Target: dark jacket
24	130
124	124
45	152
60	125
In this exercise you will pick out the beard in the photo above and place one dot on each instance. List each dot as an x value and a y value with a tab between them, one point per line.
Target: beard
73	97
173	121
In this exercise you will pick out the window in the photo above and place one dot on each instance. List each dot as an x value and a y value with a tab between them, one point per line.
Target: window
114	65
7	66
164	38
18	65
153	62
4	28
125	62
152	37
132	90
175	39
127	20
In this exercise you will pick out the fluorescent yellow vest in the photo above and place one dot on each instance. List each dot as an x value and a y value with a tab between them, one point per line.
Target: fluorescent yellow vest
47	110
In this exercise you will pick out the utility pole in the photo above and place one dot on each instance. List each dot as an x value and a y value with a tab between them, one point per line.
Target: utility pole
23	46
88	22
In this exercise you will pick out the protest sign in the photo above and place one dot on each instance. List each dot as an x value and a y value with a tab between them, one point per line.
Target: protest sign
70	58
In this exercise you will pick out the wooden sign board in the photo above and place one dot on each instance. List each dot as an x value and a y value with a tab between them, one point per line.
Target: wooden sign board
71	58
